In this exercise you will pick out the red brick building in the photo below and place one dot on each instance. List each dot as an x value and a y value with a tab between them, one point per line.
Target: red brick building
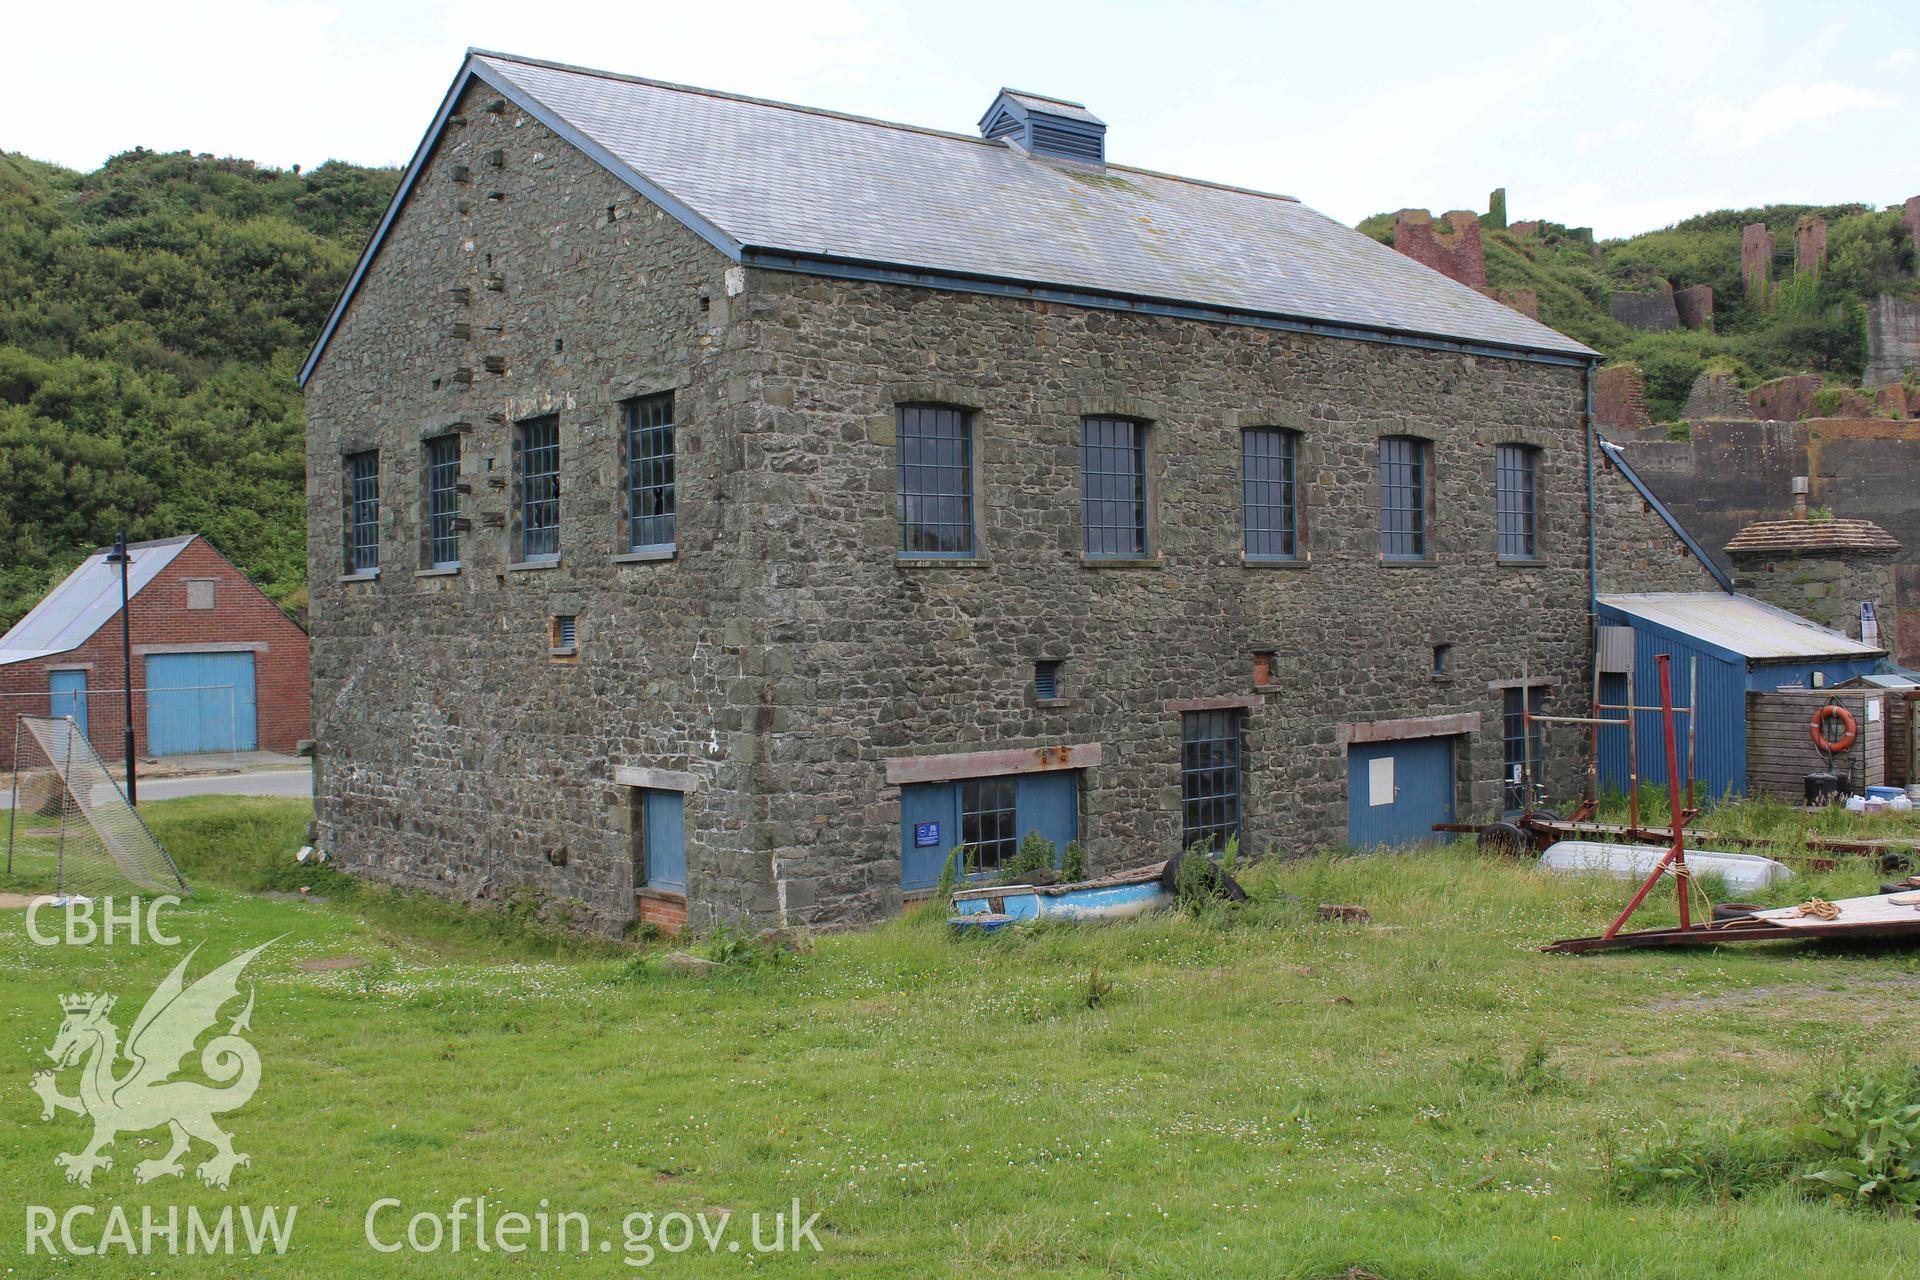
217	666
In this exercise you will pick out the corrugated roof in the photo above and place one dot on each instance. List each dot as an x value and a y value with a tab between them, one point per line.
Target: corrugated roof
818	183
90	596
1785	536
1739	624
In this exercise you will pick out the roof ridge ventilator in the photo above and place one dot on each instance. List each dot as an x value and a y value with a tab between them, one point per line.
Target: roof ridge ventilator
1046	126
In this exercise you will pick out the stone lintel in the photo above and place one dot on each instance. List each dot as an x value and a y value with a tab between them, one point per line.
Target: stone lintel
1417	727
1243	702
628	775
903	770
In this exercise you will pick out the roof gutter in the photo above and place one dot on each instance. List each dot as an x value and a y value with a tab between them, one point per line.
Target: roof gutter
840	268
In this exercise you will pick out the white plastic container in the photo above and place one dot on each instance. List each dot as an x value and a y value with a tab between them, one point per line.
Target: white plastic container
1900	804
1856	804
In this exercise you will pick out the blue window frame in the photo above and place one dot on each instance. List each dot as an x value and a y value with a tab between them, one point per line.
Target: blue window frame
1113	472
1516	501
649	449
934	453
1403	497
443	502
1514	744
1209	777
536	464
1268	460
362	471
989	826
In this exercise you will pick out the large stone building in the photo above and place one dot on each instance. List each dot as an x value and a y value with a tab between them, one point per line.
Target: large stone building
736	506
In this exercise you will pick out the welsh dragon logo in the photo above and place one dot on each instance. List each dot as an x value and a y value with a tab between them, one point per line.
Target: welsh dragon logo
146	1096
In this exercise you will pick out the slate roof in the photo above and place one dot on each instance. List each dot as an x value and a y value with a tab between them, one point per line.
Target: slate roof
1052	106
1739	624
760	177
69	614
1795	536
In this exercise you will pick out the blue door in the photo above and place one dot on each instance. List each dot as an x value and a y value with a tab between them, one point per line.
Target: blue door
1396	791
199	702
67	691
932	819
663	835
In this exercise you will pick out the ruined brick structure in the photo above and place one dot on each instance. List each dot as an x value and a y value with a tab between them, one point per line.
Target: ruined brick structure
1810	245
1756	263
1455	251
1694	306
1650	312
1620	398
783	666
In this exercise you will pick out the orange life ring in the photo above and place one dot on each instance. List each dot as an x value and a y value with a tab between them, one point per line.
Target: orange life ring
1832	746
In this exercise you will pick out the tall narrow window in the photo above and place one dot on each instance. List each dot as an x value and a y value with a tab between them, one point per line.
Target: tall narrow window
650	504
988	823
1521	766
536	462
1267	461
442	502
1515	501
934	450
1403	498
1209	777
1113	475
362	473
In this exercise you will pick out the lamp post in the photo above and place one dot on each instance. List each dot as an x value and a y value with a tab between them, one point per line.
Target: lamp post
120	556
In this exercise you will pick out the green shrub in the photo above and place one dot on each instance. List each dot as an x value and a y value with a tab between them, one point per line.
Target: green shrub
1869	1131
1036	853
1073	862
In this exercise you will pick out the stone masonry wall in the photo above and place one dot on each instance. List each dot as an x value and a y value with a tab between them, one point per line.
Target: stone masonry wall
1730	474
901	659
1893	340
453	753
786	654
1825	588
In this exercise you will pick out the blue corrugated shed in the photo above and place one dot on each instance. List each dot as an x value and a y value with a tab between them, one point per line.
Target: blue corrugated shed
1712	637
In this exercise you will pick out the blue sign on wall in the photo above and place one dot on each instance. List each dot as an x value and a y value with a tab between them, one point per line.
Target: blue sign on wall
926	835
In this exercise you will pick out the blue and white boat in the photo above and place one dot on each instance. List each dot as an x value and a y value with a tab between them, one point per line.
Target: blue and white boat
1120	896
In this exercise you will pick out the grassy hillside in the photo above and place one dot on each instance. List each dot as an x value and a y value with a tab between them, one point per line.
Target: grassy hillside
152	317
1813	326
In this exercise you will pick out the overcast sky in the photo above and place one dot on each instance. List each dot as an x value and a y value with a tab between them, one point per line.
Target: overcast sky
1628	116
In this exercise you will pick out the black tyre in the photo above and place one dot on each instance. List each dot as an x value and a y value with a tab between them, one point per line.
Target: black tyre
1509	838
1734	910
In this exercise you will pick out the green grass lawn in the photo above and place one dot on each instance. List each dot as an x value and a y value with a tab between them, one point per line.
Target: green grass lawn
1258	1094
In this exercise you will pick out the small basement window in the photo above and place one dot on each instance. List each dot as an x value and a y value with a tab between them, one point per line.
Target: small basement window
1046	679
563	635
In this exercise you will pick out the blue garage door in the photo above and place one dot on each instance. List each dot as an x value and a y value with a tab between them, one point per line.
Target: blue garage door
199	702
67	692
1396	791
993	813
